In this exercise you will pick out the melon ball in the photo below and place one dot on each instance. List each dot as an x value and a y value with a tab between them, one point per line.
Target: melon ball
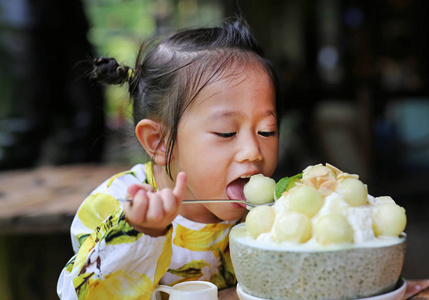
260	220
388	219
333	229
260	189
293	227
305	199
354	191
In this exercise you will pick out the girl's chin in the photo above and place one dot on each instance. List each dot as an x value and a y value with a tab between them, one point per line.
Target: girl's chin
235	212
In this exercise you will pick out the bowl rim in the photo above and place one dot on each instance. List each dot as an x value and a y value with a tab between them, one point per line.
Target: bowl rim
398	292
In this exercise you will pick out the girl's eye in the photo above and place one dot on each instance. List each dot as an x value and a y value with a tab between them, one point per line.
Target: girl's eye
267	133
225	134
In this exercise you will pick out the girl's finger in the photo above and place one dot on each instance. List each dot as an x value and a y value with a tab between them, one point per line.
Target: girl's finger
138	210
127	208
170	203
134	188
155	211
180	187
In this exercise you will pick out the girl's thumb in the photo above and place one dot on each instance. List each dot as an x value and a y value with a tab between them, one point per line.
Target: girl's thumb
180	187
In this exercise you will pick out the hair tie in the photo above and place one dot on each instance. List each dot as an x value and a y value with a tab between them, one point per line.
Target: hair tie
130	73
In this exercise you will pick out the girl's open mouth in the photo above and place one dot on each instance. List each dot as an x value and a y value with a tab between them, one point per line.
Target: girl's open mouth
234	190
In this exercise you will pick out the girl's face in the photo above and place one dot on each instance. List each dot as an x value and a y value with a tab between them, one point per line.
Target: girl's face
227	134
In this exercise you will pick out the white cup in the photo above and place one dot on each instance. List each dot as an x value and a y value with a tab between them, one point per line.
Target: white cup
188	290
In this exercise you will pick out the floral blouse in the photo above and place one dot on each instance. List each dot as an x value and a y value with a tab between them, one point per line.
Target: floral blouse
115	261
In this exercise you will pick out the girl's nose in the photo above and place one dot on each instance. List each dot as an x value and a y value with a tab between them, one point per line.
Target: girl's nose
249	149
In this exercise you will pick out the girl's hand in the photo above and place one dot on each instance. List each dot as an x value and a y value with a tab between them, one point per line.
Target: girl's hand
152	212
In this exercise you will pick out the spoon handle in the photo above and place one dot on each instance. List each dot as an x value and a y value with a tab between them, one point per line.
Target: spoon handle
211	201
225	201
199	201
214	201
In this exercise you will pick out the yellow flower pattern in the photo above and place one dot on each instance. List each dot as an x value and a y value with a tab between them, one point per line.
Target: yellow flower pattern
118	285
212	236
114	261
164	260
96	209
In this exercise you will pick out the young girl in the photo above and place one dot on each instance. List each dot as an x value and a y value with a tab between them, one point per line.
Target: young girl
205	110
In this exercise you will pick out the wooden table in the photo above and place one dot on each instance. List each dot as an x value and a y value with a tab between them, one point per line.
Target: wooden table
43	202
228	294
417	290
45	199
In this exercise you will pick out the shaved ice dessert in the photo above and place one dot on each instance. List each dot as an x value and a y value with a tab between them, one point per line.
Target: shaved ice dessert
325	237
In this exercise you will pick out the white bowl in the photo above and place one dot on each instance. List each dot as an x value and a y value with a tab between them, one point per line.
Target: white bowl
349	273
396	294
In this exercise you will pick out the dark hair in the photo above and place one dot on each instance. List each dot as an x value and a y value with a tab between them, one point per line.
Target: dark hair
171	72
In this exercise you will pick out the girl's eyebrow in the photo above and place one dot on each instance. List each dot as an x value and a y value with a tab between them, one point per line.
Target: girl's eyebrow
221	115
231	114
224	114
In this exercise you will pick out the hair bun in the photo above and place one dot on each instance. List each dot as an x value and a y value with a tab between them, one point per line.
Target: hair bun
107	70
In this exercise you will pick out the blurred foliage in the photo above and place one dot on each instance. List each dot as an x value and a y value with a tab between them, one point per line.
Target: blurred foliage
116	30
118	27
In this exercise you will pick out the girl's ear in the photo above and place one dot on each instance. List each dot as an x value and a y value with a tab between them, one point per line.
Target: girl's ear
148	133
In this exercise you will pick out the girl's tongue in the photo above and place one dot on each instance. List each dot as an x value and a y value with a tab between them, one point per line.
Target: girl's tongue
234	190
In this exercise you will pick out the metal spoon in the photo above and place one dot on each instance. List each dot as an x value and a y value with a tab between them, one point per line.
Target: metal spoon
248	204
